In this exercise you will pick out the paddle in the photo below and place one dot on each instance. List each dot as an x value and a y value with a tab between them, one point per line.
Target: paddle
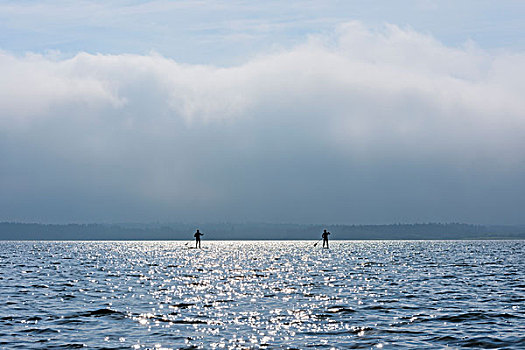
316	243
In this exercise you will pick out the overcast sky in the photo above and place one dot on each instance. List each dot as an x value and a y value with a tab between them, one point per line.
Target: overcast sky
295	111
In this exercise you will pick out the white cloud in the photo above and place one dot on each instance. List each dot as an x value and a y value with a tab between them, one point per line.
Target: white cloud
178	134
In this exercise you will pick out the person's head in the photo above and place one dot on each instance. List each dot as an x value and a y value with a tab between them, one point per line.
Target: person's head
197	230
324	231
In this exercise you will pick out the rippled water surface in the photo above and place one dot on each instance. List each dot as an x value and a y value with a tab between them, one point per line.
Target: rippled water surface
390	294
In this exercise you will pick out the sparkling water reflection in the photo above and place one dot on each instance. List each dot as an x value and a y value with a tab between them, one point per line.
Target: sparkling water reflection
393	294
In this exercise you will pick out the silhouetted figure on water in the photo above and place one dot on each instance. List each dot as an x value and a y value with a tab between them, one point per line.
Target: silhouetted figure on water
197	236
325	238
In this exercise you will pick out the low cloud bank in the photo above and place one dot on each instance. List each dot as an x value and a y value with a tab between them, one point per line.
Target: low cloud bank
362	125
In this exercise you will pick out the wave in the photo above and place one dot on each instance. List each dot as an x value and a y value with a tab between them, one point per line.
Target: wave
474	316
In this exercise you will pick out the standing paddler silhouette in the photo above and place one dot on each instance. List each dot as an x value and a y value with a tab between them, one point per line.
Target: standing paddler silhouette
197	236
325	238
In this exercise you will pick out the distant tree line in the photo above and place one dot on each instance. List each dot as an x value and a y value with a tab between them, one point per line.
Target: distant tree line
254	231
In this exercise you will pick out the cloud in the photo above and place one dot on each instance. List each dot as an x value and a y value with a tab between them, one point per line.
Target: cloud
350	126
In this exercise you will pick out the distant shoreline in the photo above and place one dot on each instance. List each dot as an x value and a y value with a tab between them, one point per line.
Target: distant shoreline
12	231
263	240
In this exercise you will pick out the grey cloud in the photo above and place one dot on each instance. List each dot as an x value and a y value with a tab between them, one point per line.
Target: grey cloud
359	126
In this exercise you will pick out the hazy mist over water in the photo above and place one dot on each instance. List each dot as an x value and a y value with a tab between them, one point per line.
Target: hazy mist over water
359	124
272	294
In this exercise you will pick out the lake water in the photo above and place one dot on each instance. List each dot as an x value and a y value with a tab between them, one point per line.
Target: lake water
264	294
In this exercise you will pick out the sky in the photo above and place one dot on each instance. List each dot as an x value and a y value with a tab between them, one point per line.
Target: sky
336	112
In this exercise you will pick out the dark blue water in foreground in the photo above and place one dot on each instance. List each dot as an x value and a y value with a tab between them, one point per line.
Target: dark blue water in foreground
389	294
